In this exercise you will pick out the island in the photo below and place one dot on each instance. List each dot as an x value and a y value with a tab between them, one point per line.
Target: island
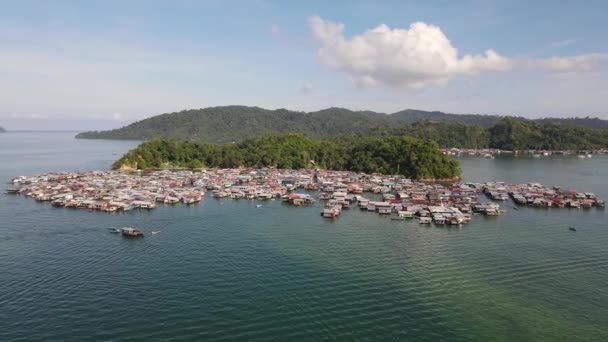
413	158
230	124
2	130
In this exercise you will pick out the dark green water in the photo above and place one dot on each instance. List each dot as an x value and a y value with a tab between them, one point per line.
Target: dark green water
235	272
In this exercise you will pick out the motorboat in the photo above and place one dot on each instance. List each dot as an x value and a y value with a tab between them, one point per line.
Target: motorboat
131	232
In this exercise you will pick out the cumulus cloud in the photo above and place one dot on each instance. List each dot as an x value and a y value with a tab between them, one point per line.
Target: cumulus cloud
416	57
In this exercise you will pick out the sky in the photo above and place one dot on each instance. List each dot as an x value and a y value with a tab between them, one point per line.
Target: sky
82	65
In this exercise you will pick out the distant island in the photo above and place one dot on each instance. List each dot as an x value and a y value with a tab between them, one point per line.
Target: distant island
236	123
396	155
2	130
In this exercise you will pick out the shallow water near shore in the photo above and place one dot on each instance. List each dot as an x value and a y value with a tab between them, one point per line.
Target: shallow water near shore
227	270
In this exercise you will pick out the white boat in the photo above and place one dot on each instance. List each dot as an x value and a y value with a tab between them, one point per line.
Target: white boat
406	214
439	219
384	210
425	220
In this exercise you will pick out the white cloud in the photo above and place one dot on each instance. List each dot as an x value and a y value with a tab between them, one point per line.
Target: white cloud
118	117
417	57
569	63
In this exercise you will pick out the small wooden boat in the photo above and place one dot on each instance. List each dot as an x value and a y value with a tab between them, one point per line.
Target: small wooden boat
572	229
131	232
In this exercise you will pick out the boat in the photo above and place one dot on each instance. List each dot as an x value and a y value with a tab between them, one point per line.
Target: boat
425	220
385	210
406	214
572	229
114	230
439	219
131	232
331	212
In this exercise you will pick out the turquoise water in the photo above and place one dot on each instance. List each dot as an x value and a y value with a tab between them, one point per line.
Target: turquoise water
226	270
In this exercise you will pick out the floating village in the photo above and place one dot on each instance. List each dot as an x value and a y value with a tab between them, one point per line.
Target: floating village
397	197
492	152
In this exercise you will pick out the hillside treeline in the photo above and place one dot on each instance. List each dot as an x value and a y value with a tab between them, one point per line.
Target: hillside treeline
237	123
418	159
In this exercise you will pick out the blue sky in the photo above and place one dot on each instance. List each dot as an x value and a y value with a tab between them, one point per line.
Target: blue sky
83	65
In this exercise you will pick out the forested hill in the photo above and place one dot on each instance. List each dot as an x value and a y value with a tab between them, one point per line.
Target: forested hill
401	155
236	123
413	115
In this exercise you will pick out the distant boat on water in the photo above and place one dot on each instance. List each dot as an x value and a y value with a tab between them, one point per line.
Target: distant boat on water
131	232
572	229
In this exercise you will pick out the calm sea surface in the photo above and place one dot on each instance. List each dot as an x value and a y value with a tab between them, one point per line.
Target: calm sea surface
226	270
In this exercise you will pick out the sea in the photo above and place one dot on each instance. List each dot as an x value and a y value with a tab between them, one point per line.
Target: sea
226	270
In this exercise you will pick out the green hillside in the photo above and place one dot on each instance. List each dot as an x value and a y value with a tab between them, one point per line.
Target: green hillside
236	123
411	157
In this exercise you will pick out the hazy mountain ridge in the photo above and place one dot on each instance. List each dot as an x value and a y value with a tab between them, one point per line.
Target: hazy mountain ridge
237	123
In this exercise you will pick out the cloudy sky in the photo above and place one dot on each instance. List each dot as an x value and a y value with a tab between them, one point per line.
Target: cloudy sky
101	64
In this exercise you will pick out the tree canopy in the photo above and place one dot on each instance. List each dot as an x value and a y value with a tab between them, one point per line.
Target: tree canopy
419	159
237	123
512	134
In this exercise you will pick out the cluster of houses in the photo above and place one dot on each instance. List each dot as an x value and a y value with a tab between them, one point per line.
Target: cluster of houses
491	152
407	200
394	196
538	195
109	191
